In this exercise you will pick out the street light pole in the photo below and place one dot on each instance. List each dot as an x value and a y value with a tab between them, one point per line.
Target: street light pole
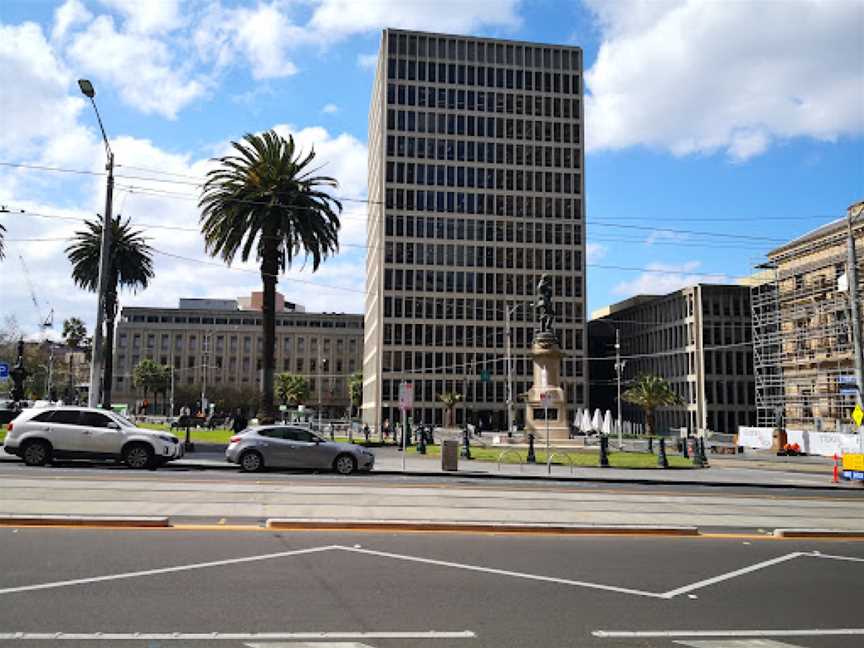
852	274
619	369
508	332
97	359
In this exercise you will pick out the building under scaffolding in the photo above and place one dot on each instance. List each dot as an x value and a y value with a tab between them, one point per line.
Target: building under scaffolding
802	334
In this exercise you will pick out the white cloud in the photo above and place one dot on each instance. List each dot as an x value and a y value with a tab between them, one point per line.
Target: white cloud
143	68
337	18
68	15
689	76
147	16
665	235
367	61
663	278
330	109
594	252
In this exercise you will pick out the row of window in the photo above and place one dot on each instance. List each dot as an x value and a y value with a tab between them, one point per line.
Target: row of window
477	393
465	364
462	309
460	256
489	152
218	342
482	76
489	283
237	321
484	230
453	202
331	389
460	335
500	53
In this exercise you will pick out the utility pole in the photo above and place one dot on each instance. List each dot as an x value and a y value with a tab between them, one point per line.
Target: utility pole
97	357
852	273
619	369
50	385
508	332
204	341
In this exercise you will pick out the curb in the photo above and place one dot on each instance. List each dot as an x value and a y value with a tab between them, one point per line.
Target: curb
478	527
84	521
818	533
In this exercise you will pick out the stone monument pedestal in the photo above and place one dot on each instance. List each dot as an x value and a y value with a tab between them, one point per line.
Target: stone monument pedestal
547	380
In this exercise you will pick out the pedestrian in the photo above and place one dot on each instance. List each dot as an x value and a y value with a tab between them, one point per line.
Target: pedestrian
386	429
239	423
366	432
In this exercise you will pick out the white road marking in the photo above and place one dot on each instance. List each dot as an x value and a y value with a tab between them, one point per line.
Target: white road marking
735	643
733	574
504	572
817	554
671	634
309	644
228	636
161	570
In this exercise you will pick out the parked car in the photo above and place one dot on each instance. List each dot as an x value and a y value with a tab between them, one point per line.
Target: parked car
40	436
291	446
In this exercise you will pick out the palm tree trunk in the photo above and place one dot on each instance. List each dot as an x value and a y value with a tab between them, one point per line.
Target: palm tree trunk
649	421
110	313
269	269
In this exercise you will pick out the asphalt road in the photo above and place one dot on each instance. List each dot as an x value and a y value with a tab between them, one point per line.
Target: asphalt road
480	591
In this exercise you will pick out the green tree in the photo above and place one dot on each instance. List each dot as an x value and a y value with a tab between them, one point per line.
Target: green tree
151	377
449	400
130	267
74	332
650	393
292	389
355	389
265	202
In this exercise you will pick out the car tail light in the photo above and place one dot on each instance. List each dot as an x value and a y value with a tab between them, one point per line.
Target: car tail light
234	439
9	426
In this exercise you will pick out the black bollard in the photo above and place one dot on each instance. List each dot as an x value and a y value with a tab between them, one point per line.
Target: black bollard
684	452
662	462
702	454
421	441
531	458
604	451
696	456
651	444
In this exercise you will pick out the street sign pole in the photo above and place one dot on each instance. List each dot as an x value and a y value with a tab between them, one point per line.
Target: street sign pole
406	404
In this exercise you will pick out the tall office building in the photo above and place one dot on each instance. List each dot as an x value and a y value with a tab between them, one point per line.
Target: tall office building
476	189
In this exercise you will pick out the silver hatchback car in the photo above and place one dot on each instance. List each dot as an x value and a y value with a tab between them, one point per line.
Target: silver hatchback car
291	446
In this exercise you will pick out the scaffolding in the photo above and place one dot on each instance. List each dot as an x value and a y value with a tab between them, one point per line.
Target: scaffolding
802	338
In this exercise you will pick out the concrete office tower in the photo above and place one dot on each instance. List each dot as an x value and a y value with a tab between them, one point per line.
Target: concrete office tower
476	189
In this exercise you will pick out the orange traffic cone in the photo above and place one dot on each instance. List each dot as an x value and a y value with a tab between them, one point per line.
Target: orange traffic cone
836	470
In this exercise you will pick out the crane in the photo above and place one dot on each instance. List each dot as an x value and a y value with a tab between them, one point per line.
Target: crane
44	322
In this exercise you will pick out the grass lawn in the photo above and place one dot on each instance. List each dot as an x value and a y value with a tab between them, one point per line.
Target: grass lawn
587	458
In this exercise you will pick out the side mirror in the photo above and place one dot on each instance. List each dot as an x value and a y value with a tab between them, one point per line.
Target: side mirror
113	426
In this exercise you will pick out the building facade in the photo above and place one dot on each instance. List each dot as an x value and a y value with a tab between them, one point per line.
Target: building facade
476	189
802	324
217	344
699	340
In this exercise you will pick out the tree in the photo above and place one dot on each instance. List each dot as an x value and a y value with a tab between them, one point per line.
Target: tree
74	332
292	389
355	389
151	377
649	393
449	400
130	267
266	203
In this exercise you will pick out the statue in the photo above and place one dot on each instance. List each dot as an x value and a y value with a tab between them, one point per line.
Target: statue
19	375
545	309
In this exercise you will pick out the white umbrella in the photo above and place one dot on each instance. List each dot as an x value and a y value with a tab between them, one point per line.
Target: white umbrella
577	420
607	423
597	421
586	421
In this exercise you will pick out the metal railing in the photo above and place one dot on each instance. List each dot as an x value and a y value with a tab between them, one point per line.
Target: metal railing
508	451
566	455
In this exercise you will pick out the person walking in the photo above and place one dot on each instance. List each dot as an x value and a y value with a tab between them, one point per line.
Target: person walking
239	423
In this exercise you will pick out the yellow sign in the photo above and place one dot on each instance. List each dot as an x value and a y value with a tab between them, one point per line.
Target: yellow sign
858	415
853	462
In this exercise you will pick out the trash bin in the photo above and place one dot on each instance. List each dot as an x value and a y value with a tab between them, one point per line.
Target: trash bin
450	455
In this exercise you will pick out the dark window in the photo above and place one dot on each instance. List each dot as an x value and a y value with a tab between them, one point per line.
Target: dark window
94	419
65	417
44	417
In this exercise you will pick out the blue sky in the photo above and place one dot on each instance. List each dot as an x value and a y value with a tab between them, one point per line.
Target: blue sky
727	120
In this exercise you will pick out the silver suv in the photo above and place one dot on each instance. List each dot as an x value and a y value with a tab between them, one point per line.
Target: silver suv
39	436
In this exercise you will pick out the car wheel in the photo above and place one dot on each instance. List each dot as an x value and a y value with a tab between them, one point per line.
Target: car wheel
251	461
138	456
36	453
345	464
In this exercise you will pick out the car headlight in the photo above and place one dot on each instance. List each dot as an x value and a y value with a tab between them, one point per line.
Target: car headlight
167	438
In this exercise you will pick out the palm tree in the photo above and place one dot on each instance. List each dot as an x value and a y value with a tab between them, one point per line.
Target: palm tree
266	203
74	332
449	401
292	389
130	267
650	392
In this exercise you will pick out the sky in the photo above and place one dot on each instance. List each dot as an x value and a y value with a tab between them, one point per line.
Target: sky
715	131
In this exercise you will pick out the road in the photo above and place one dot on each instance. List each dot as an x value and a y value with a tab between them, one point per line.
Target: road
212	496
433	590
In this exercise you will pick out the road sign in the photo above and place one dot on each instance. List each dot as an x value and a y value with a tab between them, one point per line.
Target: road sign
406	396
4	371
485	376
858	415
